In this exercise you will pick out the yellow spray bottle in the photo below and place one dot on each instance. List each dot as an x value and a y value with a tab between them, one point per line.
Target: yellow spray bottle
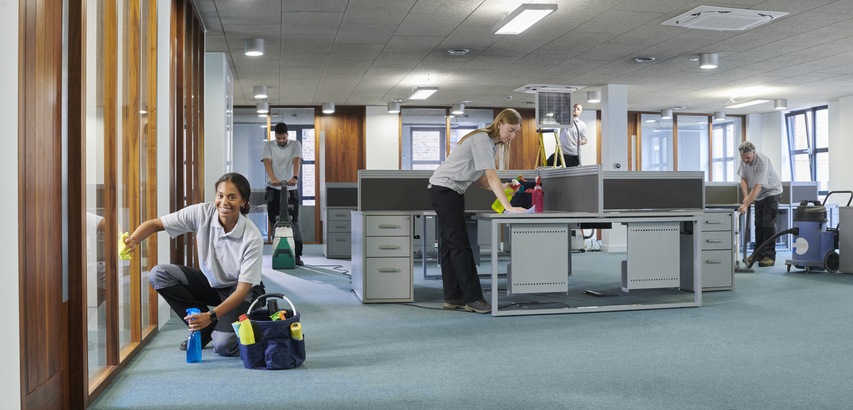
247	334
508	191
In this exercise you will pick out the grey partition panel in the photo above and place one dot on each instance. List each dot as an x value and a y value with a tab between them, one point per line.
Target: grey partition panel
405	190
571	193
722	194
653	190
786	193
803	191
342	194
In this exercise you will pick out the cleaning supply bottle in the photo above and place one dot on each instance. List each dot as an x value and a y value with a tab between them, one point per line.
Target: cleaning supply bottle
508	191
296	331
246	333
193	341
537	198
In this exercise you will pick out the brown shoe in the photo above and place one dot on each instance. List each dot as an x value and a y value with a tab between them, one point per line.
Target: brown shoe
766	262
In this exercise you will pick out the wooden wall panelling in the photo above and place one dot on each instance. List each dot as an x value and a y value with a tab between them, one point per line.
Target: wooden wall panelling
111	137
345	142
525	146
131	150
151	210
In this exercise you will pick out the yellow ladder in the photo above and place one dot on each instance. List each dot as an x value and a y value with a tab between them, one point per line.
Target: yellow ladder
559	161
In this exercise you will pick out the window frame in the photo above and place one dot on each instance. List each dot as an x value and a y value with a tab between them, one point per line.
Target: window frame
811	152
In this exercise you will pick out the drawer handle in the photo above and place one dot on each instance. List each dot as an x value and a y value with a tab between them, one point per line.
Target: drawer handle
341	226
714	222
340	214
714	261
389	247
714	240
341	240
388	226
389	270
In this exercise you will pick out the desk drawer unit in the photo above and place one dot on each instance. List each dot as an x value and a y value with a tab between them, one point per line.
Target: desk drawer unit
717	269
336	233
382	258
717	250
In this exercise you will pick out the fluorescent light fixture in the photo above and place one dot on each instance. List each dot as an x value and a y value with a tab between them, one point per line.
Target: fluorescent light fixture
780	103
746	103
393	108
422	93
253	47
458	109
593	96
665	114
263	108
328	108
719	116
260	91
523	17
708	60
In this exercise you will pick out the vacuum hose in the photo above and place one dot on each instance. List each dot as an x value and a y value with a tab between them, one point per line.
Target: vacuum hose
770	241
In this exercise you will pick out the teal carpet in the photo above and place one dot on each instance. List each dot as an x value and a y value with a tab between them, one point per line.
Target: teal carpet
779	341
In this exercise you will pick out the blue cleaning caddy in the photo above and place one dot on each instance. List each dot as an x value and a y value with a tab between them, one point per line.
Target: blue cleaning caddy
275	347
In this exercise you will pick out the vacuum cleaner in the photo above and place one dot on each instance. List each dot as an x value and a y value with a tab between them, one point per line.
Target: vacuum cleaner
284	256
815	245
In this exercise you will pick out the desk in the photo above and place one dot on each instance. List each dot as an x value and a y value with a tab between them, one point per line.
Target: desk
655	255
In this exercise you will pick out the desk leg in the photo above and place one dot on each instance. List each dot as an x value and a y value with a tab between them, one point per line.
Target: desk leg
495	237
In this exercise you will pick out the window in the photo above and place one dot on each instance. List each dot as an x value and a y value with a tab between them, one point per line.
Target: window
306	175
724	142
656	143
427	147
808	146
693	142
424	137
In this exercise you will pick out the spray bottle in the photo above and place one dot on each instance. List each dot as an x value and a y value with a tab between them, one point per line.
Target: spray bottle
537	198
193	341
508	191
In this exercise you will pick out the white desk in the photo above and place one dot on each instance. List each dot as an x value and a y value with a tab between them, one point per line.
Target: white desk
646	229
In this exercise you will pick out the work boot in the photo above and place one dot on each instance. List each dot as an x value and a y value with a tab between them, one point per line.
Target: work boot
480	306
299	261
766	262
454	304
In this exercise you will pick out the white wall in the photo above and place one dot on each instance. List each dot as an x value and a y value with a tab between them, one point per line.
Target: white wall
10	378
163	255
382	138
771	138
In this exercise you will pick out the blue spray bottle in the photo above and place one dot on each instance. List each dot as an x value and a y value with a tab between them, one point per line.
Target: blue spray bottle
193	341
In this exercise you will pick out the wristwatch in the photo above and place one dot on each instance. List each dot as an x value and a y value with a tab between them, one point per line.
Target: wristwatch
212	315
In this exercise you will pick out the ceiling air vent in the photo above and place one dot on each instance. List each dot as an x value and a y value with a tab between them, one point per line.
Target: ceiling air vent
723	18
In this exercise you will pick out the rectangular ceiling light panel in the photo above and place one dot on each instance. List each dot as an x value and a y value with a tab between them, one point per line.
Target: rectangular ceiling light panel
523	17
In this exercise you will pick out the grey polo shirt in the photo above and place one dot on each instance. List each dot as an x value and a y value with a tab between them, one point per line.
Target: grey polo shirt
224	258
760	171
466	163
569	137
282	160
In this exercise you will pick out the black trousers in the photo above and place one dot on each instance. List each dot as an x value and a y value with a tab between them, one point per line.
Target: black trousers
274	209
458	269
571	160
197	293
766	211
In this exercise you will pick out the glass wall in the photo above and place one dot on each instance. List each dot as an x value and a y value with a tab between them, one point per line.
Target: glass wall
693	143
656	147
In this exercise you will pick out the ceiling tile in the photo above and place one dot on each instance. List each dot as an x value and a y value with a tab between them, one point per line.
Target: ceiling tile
617	21
326	22
249	12
365	33
312	5
412	44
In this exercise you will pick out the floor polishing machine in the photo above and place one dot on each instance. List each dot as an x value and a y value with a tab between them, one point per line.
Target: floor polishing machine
284	254
815	244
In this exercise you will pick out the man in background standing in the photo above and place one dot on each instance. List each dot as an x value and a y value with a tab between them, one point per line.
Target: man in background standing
571	139
282	160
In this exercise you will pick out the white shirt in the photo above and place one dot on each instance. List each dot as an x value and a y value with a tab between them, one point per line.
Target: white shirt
224	258
569	137
466	163
282	160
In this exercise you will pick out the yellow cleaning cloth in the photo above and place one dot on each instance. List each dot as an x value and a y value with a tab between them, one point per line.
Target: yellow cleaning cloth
122	250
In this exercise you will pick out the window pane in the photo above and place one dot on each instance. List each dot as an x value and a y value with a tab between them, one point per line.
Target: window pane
308	144
656	143
473	119
802	170
426	146
801	139
822	165
693	143
123	197
422	119
96	317
307	178
425	166
822	128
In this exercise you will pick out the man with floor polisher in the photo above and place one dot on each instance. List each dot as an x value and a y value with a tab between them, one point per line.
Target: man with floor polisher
760	184
282	160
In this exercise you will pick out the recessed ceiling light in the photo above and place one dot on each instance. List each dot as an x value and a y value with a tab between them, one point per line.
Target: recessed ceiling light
530	102
679	107
644	59
398	100
458	51
465	101
693	59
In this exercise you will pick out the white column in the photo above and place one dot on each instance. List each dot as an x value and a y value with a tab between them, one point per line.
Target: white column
614	150
216	91
772	132
840	147
382	138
